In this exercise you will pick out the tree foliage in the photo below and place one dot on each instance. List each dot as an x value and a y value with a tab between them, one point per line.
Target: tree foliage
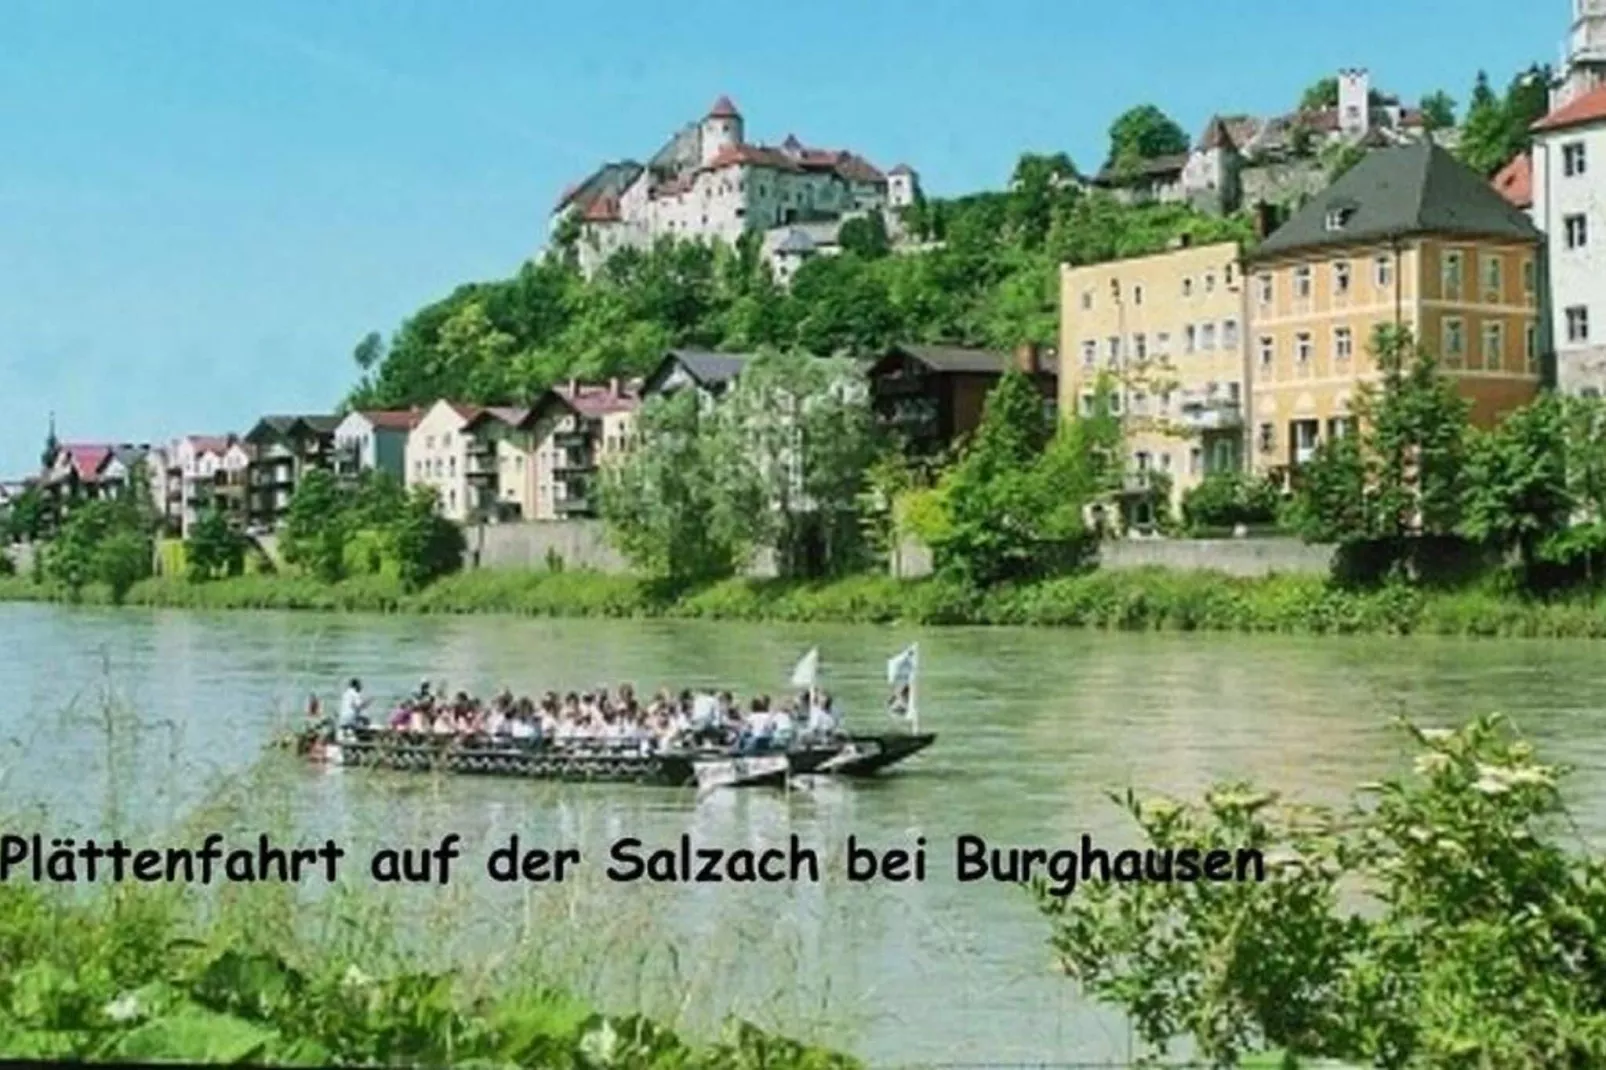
1498	128
1479	946
1144	133
427	546
317	526
780	462
104	541
25	518
214	548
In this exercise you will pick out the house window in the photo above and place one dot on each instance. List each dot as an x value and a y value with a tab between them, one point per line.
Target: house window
1493	277
1187	287
1340	426
429	442
1115	403
1114	345
1086	403
1140	346
1303	349
1530	348
1267	438
1090	353
1573	160
1307	433
1529	281
1229	334
1494	344
1195	461
1302	283
1383	271
1137	293
1227	276
1162	342
1454	340
1578	323
1165	461
1268	351
1576	228
1210	282
1190	338
1266	288
1207	339
1343	343
1337	217
1450	274
1341	277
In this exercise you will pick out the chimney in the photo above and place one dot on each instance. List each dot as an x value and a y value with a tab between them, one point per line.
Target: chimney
1028	358
613	388
574	388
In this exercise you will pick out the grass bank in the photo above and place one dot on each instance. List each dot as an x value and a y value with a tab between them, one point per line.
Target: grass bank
1127	600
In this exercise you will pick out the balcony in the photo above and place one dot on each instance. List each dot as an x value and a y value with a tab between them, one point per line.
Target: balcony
572	506
1210	410
573	463
481	447
579	438
481	468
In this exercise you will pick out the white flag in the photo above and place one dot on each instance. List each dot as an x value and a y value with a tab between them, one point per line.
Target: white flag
807	668
901	667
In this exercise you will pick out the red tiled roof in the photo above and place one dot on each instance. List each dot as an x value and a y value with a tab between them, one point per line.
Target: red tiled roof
724	109
1515	181
210	443
604	209
1589	108
591	399
87	460
751	156
392	419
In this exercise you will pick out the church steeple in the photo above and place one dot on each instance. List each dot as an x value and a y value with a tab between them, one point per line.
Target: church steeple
48	457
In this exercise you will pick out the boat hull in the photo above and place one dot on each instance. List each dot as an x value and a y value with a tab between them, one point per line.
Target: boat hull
857	757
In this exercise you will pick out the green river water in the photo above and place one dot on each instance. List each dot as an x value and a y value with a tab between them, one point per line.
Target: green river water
1034	727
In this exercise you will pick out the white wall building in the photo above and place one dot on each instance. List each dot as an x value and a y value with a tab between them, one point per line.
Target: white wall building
708	182
1569	195
437	456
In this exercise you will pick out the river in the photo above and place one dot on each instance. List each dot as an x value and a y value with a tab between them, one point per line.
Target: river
1035	727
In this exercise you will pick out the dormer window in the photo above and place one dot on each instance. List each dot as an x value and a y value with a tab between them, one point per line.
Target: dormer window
1338	217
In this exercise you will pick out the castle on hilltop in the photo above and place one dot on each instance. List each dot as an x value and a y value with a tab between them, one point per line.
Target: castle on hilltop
1244	160
709	182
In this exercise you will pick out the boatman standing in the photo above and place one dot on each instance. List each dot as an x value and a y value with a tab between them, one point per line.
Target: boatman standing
352	705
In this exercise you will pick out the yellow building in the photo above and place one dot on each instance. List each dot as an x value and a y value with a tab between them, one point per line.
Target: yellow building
1408	237
1168	330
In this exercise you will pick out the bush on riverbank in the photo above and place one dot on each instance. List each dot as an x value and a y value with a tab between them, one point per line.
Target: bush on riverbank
1483	948
1135	600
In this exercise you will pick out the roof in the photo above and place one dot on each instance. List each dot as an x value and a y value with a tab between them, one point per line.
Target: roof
707	369
129	456
604	209
609	180
724	109
752	156
902	169
209	443
796	241
1417	188
1589	108
511	415
1515	181
963	360
86	459
1217	136
1157	167
289	425
599	399
391	419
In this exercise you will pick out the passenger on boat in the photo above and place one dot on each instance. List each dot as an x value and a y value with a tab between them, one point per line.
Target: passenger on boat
353	707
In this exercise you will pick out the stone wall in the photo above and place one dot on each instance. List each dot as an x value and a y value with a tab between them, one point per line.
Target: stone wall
1236	557
1283	181
579	544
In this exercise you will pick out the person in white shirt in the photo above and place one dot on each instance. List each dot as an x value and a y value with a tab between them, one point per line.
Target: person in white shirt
352	705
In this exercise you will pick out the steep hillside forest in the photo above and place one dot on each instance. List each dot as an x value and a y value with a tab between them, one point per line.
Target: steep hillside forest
988	276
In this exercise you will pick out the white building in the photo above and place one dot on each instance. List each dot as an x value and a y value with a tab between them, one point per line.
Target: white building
203	471
1569	194
1583	61
437	455
709	182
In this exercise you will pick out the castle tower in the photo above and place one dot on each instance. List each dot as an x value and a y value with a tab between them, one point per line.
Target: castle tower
902	185
1354	103
721	128
1584	58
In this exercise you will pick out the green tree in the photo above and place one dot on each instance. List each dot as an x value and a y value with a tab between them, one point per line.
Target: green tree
668	504
1402	474
1320	95
1517	490
1479	945
27	517
1144	133
317	526
866	236
1438	110
428	546
100	541
213	548
1498	128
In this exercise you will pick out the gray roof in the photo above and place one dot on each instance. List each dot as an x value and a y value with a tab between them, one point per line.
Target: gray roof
959	359
1413	189
709	369
286	425
796	241
1158	167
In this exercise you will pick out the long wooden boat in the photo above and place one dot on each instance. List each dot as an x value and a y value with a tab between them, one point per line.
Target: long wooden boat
596	762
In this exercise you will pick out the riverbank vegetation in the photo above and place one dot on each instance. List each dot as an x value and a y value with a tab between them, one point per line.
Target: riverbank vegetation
1483	949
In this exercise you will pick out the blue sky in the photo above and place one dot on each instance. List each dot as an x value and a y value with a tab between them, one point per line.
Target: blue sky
204	206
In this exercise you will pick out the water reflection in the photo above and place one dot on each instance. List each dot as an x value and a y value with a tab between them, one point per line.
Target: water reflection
1035	726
